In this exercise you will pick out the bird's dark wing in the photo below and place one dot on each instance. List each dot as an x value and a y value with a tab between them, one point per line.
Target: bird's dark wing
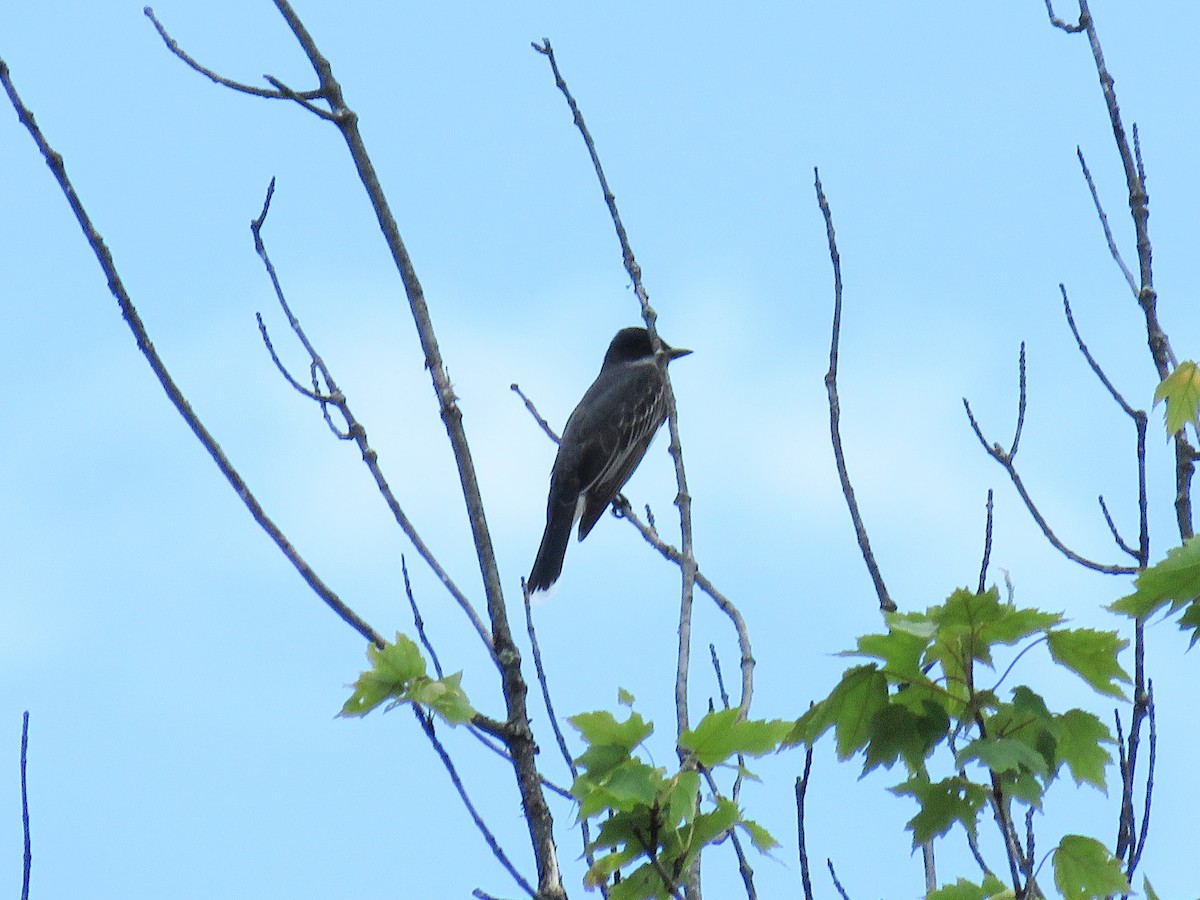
613	448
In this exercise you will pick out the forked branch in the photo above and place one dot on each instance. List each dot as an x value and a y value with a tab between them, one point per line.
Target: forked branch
129	312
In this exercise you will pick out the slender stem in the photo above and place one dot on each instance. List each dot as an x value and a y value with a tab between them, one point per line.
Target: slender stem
886	604
28	861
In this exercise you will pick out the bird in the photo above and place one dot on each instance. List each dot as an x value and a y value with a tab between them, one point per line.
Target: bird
604	440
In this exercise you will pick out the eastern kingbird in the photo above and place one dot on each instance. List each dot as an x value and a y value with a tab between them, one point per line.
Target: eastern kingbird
603	442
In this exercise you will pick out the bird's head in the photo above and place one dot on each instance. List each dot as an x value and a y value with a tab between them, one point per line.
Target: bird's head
633	345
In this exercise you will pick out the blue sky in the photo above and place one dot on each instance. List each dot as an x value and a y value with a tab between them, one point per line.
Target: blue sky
182	680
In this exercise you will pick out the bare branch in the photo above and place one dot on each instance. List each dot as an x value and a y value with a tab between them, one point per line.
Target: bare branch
28	861
683	498
536	649
1022	394
1006	460
333	397
744	867
517	735
716	663
1112	527
801	837
537	417
1029	845
1139	208
1125	818
1136	856
104	257
621	507
987	545
886	604
973	846
418	621
426	722
836	884
280	92
1059	23
1108	235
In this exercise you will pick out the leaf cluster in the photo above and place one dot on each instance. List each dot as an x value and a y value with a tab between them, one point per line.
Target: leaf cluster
398	674
654	824
920	693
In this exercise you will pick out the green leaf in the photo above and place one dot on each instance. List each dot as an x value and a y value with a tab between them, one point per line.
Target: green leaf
624	698
632	785
711	825
1002	755
897	731
1181	390
1149	888
597	761
682	797
861	694
759	836
1084	869
851	706
445	697
1092	655
601	727
640	884
1079	746
719	735
1174	579
392	669
1191	619
942	804
900	651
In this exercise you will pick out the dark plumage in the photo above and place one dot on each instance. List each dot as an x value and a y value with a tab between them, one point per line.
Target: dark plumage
603	442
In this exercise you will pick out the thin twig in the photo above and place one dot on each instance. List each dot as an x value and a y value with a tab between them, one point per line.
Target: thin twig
28	862
537	417
736	791
482	734
801	837
1029	845
621	506
1125	817
418	621
559	738
1136	856
1059	23
1108	235
355	430
1147	298
1005	458
836	884
886	604
426	722
1142	554
987	545
1112	528
1091	360
973	846
104	257
716	663
279	93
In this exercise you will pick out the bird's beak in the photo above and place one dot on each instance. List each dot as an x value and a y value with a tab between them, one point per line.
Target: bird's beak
675	352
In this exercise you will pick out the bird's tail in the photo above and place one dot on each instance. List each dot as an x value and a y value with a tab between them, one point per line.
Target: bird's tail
548	564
